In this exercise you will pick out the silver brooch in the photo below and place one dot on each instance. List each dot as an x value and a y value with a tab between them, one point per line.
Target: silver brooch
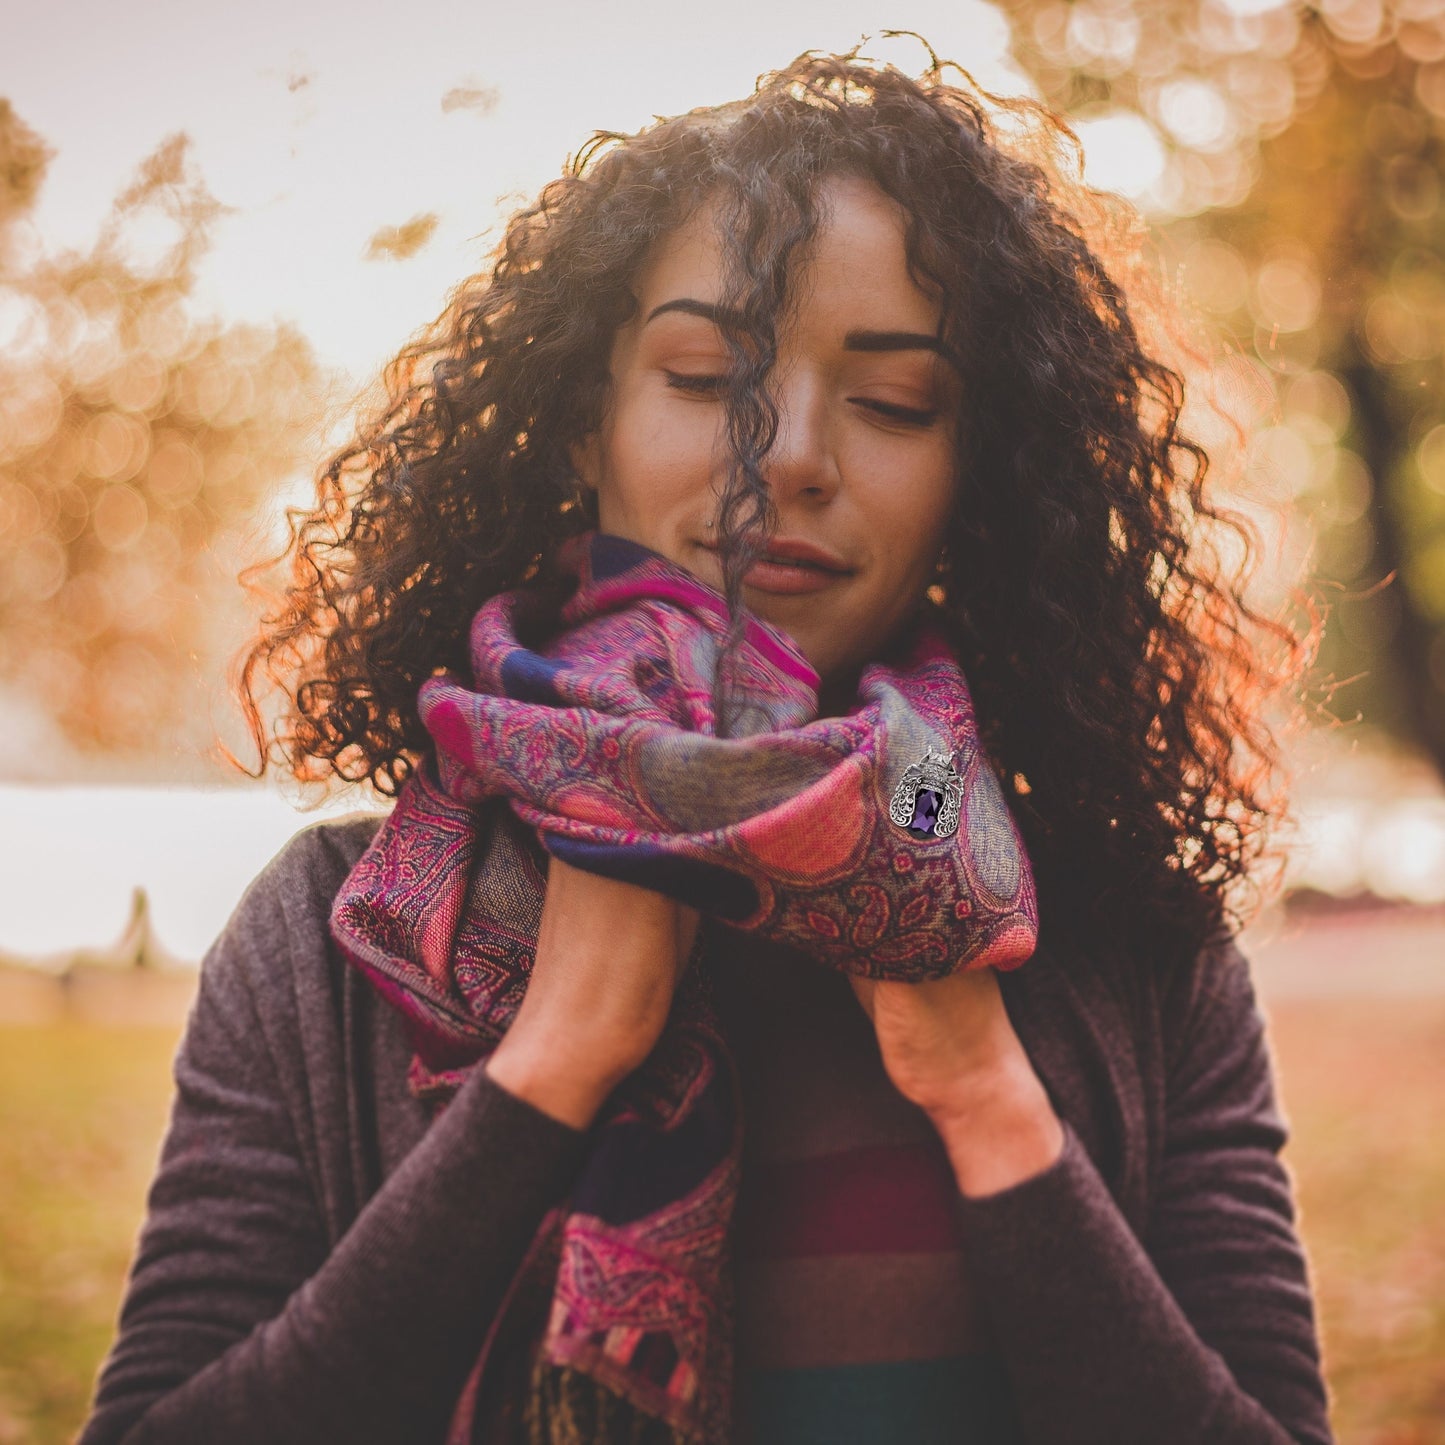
928	797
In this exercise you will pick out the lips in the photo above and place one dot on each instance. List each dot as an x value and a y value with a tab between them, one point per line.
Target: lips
794	551
792	566
801	555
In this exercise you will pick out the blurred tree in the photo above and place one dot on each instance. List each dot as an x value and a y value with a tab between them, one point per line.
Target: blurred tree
137	440
1299	189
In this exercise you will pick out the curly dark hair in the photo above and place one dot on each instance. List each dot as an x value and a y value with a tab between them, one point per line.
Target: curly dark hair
1121	677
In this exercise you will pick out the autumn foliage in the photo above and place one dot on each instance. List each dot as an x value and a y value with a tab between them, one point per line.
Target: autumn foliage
138	439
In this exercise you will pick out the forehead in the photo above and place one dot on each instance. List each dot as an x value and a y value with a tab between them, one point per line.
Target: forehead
855	263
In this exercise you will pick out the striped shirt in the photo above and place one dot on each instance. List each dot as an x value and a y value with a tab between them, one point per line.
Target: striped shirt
854	1314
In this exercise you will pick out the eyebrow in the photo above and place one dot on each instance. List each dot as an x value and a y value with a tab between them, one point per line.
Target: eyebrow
852	341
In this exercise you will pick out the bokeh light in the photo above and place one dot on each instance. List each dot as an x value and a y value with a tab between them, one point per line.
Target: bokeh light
137	439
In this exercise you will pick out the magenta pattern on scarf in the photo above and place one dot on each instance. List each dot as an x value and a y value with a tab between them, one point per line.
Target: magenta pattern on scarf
586	730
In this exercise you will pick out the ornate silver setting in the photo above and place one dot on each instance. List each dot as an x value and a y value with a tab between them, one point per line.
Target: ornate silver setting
934	774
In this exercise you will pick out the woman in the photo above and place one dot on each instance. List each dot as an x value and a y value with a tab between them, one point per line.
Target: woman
742	1027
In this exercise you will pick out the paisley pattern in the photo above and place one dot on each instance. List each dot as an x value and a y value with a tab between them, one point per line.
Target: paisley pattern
593	740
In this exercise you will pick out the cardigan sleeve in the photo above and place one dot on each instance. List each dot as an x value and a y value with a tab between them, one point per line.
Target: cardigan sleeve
1204	1330
237	1322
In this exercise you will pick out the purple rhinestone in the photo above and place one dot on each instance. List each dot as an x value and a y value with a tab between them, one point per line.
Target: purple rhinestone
925	810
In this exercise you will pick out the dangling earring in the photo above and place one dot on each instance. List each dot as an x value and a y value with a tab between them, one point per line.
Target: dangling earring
935	592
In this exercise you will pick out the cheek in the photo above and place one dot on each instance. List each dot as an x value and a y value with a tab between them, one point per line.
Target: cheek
658	453
941	495
913	517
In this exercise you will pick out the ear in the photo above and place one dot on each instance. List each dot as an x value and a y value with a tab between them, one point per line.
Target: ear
586	459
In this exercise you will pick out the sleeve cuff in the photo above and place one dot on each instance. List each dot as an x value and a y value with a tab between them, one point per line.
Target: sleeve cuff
1071	1173
522	1117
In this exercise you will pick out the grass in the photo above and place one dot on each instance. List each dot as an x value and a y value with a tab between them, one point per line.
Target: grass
1363	1082
82	1109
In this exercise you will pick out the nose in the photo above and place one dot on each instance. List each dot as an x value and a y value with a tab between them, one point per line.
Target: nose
800	466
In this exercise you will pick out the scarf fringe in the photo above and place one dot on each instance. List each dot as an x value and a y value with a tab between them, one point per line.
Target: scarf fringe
566	1407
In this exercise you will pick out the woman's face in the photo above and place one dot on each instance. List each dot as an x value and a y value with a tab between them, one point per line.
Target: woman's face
862	470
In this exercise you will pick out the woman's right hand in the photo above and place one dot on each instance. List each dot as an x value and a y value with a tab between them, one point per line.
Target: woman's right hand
609	956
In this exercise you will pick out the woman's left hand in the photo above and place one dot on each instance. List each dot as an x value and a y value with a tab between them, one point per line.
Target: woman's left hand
949	1047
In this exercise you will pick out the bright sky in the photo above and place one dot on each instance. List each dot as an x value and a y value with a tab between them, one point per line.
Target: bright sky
322	122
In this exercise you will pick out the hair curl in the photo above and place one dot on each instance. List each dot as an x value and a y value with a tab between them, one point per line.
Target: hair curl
1120	676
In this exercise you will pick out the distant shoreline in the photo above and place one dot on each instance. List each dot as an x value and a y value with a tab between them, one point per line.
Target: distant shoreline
1339	951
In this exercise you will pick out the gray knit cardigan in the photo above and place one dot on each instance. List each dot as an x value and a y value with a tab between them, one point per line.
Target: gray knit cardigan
318	1264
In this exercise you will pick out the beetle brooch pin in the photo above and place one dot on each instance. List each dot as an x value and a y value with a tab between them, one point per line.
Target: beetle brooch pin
928	797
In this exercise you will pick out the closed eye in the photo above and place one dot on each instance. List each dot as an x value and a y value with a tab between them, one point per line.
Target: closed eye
912	415
711	385
684	382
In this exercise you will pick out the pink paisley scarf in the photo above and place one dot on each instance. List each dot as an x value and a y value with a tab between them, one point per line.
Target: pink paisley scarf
586	730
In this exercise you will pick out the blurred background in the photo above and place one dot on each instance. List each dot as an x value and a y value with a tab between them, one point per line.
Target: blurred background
216	226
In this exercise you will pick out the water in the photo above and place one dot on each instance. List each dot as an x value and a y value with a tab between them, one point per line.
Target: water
70	858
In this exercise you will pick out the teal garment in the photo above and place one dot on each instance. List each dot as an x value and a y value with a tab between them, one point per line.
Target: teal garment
960	1400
